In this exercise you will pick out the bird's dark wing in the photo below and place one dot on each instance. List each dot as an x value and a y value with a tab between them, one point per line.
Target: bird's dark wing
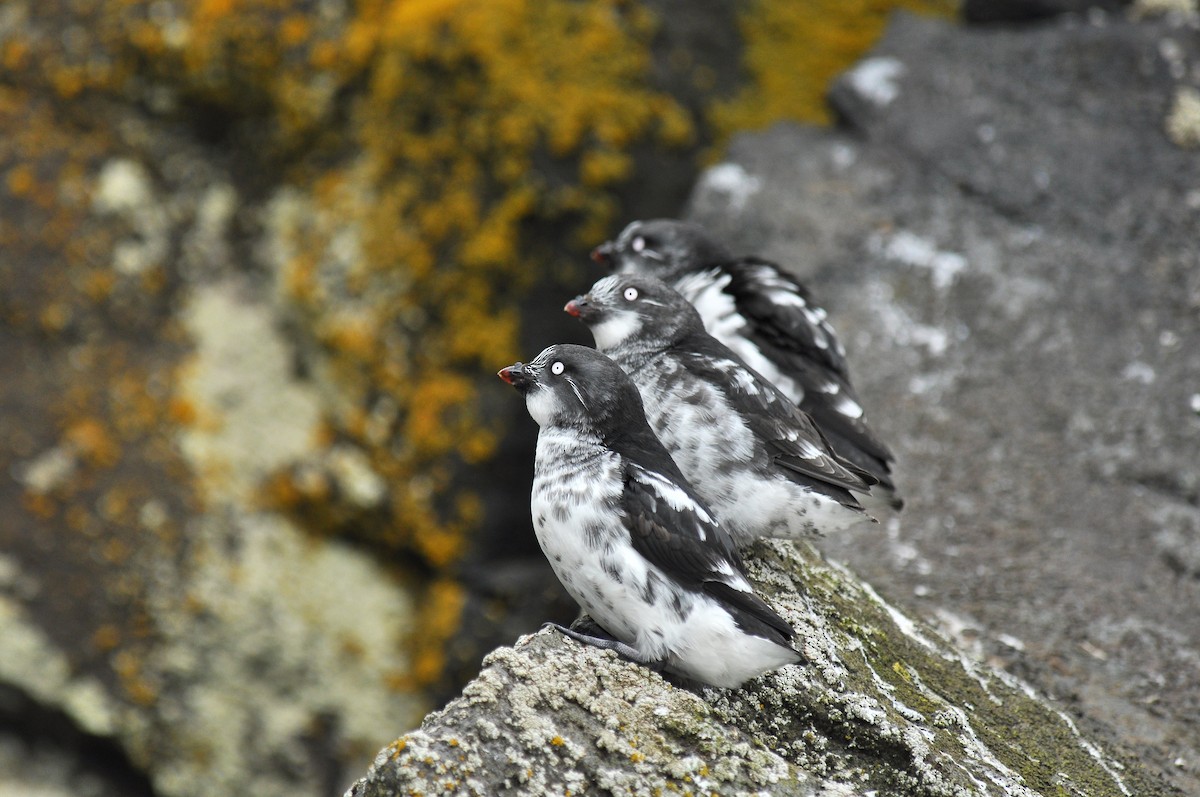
781	316
791	332
751	613
788	433
673	530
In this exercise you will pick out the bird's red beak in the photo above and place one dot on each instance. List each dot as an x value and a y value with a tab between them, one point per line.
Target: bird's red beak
516	375
602	254
572	308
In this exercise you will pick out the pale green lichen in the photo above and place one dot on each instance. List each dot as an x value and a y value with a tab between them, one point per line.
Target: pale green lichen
1183	120
30	662
1147	8
263	642
251	416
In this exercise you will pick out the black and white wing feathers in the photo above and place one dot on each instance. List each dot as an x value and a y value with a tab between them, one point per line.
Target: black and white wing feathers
780	314
671	528
791	437
791	332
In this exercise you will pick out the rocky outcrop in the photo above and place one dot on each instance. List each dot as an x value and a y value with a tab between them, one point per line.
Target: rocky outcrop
883	705
1003	230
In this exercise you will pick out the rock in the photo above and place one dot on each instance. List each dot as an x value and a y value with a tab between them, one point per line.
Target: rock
884	705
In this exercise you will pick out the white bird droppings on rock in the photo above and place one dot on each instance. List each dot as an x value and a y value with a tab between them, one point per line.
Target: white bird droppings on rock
733	182
875	80
913	250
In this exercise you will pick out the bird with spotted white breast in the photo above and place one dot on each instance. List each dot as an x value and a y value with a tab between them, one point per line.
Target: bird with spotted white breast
750	452
768	317
627	535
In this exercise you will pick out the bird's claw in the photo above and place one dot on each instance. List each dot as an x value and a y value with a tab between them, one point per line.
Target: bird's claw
607	642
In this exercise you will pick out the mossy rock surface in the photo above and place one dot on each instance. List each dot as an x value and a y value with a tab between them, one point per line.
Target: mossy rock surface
884	705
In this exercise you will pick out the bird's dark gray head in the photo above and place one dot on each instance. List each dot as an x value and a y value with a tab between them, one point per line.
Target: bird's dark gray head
663	248
568	385
634	310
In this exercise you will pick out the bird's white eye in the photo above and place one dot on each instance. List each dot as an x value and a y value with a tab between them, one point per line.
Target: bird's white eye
631	293
556	368
638	243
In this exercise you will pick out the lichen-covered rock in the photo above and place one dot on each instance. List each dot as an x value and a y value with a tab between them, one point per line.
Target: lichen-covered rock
884	705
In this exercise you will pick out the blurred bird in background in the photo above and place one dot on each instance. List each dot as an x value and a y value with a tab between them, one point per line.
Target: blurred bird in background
768	318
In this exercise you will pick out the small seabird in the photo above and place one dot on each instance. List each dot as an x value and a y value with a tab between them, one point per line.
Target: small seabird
627	535
765	315
754	456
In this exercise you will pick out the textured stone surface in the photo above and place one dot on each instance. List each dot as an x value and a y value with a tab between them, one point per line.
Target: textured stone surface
884	706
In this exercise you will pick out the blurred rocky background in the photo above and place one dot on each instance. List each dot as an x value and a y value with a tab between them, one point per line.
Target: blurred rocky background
265	503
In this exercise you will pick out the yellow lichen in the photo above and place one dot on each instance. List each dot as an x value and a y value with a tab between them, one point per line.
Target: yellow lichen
460	100
793	50
440	614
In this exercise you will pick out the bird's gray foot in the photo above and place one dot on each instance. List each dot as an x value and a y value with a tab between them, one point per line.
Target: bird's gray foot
584	624
599	638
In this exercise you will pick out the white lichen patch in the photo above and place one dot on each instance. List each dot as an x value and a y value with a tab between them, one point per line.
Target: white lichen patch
356	479
124	188
48	470
1183	120
31	663
877	80
254	416
266	634
732	182
904	332
206	244
911	249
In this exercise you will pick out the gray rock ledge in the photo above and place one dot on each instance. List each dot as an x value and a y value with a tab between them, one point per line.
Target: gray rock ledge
885	706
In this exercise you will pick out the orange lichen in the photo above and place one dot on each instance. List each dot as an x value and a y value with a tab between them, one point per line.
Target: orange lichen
460	99
181	411
106	637
129	667
20	180
93	441
440	612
